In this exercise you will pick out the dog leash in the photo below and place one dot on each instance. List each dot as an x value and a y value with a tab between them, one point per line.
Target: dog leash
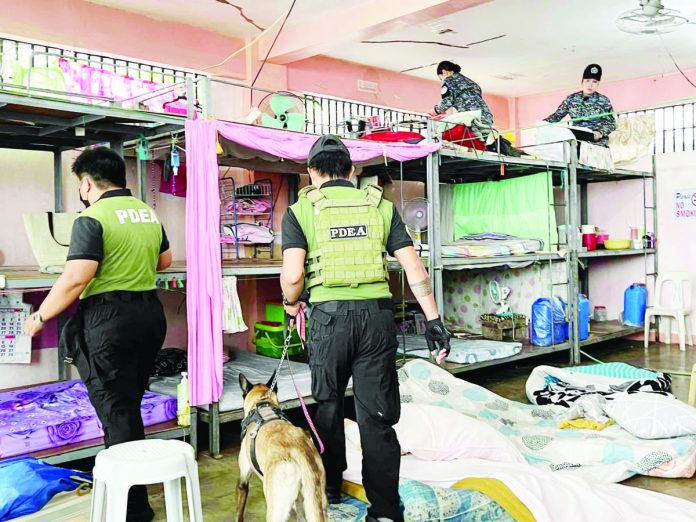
301	325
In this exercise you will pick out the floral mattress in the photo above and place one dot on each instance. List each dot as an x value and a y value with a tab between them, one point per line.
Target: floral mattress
57	414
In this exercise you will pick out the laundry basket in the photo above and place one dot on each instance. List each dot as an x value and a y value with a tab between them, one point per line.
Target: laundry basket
269	340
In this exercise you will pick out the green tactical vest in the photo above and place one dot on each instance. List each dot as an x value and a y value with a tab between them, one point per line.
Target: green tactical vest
346	231
132	239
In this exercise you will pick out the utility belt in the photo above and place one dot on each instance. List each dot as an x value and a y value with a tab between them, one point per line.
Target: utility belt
117	296
343	307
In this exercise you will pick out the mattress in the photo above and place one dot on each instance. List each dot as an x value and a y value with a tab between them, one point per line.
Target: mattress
256	368
610	455
491	245
57	414
463	351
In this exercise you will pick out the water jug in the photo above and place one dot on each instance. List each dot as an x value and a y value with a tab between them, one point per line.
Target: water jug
635	300
583	317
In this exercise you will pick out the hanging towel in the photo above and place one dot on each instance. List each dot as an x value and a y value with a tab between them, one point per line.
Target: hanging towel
232	320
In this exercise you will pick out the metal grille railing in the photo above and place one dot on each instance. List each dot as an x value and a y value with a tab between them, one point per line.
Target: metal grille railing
327	115
675	127
19	58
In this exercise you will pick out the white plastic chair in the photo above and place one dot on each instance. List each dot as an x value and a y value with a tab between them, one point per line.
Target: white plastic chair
145	462
678	308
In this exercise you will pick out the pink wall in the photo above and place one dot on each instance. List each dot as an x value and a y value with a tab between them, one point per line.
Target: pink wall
624	95
93	27
395	89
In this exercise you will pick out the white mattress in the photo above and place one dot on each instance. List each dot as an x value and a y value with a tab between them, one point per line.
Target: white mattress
463	351
550	496
256	368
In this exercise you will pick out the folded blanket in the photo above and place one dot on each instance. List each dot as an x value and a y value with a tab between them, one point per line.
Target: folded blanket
491	244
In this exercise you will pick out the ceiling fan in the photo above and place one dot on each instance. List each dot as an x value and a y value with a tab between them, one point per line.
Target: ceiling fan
651	18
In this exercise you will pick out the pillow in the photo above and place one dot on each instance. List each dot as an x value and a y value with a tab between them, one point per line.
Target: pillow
652	416
437	433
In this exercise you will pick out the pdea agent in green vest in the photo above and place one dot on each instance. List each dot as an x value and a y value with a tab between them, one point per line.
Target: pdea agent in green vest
116	248
335	239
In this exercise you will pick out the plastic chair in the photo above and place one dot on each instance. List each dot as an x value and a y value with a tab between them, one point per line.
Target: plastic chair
145	462
679	307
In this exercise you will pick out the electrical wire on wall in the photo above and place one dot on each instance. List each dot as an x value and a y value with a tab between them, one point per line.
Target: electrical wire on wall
268	53
247	46
674	61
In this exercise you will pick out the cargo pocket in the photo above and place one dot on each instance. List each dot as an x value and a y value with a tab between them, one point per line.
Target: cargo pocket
320	335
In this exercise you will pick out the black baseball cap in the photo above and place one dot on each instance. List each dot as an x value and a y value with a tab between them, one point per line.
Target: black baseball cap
327	143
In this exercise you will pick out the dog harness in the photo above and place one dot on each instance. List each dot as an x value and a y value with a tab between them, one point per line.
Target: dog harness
263	413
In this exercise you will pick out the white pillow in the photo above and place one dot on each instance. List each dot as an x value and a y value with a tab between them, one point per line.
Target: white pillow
652	416
437	433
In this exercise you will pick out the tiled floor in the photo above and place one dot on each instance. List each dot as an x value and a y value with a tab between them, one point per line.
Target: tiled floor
218	477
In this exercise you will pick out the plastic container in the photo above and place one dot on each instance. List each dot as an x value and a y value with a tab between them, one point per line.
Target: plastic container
583	317
275	313
183	407
548	325
588	229
589	241
635	301
600	313
269	340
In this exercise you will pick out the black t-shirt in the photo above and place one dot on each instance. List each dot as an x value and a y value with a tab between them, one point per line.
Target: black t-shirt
293	236
87	239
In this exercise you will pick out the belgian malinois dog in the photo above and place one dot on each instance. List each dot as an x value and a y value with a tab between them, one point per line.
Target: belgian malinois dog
284	458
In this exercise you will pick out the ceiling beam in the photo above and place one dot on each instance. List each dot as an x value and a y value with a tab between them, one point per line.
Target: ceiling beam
25	146
352	22
80	121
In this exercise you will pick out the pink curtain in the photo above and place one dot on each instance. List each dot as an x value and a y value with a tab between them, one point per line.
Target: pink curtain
204	263
295	145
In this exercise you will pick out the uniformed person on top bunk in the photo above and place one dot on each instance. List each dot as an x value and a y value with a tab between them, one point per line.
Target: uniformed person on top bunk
588	103
335	241
463	94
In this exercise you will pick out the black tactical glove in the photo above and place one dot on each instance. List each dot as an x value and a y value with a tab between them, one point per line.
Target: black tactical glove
437	337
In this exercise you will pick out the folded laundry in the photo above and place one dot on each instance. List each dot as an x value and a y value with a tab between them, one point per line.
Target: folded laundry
247	232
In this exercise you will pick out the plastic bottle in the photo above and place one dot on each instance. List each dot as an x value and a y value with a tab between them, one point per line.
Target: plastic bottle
183	407
635	301
583	317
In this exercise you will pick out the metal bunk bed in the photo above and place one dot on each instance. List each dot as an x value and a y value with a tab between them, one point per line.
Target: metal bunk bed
458	165
48	121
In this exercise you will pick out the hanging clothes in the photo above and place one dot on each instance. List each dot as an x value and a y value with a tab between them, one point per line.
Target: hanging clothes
232	319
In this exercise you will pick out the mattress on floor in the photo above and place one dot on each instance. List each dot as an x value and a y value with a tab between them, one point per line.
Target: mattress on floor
610	455
57	414
256	368
463	351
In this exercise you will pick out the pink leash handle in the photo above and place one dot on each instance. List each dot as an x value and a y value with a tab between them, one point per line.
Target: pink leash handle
300	321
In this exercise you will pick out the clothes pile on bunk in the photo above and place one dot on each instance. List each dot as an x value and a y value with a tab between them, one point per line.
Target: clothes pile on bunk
246	233
248	206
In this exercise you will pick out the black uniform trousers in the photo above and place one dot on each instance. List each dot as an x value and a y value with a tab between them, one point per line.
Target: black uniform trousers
358	339
121	334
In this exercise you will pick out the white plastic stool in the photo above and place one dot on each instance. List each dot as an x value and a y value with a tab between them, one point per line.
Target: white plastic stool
682	284
145	462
